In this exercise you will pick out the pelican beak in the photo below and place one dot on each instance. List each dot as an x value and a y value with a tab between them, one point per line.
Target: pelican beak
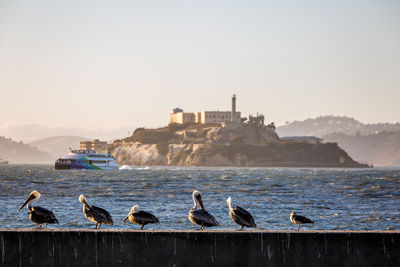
26	201
200	202
126	217
85	203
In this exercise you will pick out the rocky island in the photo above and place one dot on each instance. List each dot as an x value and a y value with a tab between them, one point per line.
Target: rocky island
229	145
224	138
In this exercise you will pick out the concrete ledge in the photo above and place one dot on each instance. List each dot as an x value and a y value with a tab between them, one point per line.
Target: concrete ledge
26	247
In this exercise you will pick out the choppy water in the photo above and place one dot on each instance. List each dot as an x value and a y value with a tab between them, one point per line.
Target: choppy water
336	199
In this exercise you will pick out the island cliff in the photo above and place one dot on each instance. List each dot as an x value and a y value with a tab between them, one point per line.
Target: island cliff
231	145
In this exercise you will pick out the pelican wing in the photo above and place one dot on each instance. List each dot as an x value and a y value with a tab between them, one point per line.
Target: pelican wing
101	215
202	217
243	217
43	215
301	219
144	217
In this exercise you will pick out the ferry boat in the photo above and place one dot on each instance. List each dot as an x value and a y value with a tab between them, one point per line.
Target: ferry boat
86	159
2	161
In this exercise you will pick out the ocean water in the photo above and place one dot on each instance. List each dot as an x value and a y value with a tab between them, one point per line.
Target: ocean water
336	199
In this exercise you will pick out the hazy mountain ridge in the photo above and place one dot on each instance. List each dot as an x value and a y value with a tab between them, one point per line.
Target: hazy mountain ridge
31	132
378	143
324	125
16	152
57	146
380	149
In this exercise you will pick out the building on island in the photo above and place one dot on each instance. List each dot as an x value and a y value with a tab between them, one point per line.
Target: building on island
258	120
230	118
203	117
216	117
305	139
178	116
96	145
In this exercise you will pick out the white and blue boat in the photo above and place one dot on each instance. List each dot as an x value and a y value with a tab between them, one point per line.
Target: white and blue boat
86	159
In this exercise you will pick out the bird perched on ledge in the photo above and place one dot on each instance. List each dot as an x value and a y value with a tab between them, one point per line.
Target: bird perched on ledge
141	217
201	217
240	215
95	214
38	215
299	220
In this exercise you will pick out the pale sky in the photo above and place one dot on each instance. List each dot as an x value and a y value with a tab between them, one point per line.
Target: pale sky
111	63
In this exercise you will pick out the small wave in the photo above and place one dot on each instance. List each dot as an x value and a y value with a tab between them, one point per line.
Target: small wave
142	168
125	167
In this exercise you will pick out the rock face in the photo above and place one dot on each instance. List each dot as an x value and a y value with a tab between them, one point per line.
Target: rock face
139	154
234	145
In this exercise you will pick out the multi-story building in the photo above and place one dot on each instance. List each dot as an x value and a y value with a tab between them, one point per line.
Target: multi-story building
217	117
178	116
182	117
96	145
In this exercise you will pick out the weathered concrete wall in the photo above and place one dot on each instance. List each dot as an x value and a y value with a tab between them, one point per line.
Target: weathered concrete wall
198	248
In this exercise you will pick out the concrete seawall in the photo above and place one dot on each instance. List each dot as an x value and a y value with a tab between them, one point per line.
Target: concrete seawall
198	248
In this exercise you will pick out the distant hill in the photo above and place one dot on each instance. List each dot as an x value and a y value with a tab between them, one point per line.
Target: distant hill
57	146
333	124
18	152
377	143
30	132
380	149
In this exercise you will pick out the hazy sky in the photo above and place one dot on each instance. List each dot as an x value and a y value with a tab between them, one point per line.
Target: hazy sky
111	63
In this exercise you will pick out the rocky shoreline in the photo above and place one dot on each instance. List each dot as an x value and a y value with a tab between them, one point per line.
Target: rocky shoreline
316	155
211	145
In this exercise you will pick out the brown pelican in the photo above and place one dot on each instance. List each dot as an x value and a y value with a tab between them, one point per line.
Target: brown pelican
240	215
95	214
298	219
201	217
140	217
38	215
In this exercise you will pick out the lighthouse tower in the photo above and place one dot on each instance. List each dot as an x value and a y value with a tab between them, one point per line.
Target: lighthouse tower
233	111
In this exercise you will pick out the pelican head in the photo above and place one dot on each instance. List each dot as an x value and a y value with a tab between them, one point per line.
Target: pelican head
134	209
229	202
82	199
33	196
197	197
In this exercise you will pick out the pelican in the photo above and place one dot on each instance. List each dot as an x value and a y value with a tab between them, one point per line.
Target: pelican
201	217
141	217
240	215
298	219
38	215
95	214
